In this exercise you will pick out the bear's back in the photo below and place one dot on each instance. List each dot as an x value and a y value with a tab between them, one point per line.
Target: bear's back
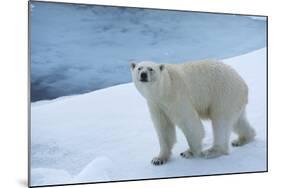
210	85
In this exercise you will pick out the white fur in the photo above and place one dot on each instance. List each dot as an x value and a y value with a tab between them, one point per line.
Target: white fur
182	94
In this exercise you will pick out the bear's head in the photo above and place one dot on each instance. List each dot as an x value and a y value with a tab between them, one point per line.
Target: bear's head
146	72
148	77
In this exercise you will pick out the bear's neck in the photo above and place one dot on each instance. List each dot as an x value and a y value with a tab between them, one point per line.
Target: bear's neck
159	91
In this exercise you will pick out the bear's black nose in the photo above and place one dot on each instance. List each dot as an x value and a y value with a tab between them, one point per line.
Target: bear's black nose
143	76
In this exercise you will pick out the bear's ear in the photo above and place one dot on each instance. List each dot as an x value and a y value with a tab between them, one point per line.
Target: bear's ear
133	65
161	67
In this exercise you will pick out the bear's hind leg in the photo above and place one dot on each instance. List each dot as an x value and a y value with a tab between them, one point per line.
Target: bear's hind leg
244	131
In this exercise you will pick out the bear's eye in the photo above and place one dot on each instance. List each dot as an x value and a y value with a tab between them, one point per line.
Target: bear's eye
150	69
139	68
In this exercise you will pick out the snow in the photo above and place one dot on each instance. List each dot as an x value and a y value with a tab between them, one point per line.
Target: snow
77	49
107	135
97	170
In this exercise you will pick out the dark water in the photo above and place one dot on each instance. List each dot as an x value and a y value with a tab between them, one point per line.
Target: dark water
77	48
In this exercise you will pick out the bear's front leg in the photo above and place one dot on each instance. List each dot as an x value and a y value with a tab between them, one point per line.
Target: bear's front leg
221	129
165	130
193	130
187	154
159	160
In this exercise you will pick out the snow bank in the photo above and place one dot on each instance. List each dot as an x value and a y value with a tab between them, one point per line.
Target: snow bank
107	135
97	170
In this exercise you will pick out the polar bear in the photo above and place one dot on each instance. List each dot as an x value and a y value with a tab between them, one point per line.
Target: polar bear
183	94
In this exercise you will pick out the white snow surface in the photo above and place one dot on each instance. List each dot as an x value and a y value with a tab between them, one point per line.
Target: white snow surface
107	135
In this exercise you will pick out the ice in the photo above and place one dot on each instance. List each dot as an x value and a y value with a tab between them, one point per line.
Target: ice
77	49
107	135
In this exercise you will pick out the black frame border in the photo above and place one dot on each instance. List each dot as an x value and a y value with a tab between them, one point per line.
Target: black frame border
131	180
